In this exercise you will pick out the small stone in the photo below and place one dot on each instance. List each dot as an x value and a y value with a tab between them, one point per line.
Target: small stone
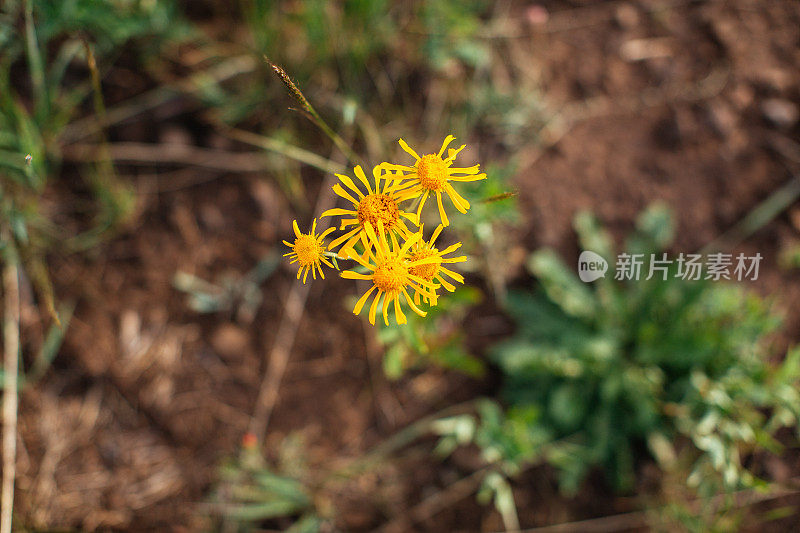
780	112
722	117
742	96
229	341
537	15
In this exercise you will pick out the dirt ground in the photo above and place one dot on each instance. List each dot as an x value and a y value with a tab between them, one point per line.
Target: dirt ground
695	104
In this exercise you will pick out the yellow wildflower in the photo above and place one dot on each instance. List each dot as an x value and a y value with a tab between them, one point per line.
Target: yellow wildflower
433	271
379	205
390	273
432	174
308	250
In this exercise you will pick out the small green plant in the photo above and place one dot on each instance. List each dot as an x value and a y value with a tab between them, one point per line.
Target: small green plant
45	49
605	374
437	340
251	492
450	30
235	294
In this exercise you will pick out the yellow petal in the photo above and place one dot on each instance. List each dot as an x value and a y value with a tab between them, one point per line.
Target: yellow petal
395	245
386	301
339	240
425	261
338	189
337	211
350	185
461	204
476	177
411	304
361	301
349	274
447	140
324	234
374	307
414	237
445	284
422	203
474	169
398	313
435	235
392	166
451	154
382	236
360	260
451	248
408	149
363	177
411	216
442	214
422	283
455	275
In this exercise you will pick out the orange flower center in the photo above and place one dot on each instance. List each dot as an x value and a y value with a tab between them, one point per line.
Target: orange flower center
307	250
391	275
375	207
432	172
425	271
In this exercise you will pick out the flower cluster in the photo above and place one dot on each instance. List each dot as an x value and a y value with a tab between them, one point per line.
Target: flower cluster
387	240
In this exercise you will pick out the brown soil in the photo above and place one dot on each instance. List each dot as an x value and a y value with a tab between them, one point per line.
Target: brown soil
146	397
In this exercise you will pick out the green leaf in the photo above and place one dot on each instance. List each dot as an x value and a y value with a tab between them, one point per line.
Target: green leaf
309	523
592	236
52	343
567	406
655	230
562	286
393	365
283	487
261	511
455	357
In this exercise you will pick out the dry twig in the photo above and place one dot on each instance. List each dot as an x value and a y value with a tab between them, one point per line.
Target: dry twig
287	332
10	367
641	519
437	502
170	154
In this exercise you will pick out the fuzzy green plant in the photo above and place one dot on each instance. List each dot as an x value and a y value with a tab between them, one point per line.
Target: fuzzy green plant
251	491
437	341
611	373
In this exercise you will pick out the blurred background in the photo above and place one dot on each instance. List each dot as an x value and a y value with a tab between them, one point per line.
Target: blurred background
173	375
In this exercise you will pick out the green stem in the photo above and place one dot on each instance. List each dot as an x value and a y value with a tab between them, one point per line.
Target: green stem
415	205
337	256
295	91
